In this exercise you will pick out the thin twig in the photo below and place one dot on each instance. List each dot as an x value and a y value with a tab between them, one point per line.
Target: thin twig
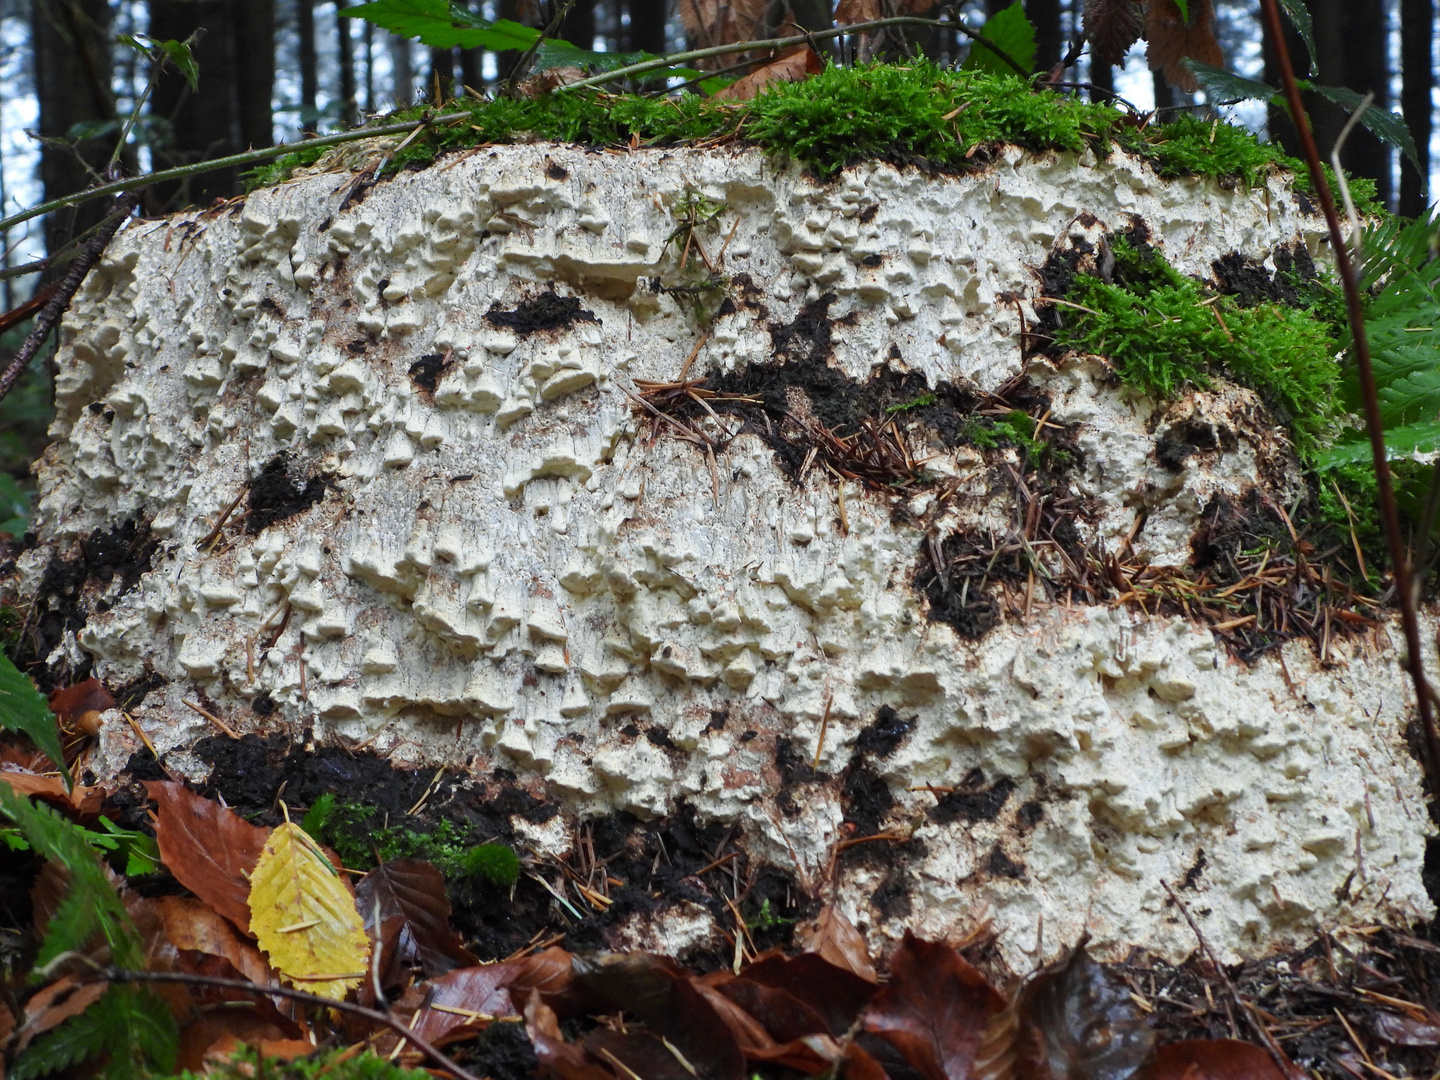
1374	423
394	1023
69	285
785	43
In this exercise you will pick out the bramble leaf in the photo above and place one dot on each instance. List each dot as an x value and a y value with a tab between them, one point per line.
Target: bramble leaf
1012	33
444	25
24	709
133	1026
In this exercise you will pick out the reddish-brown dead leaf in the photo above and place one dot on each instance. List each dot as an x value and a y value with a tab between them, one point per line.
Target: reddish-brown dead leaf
413	890
557	1057
464	1001
78	707
83	802
792	65
835	938
1112	26
832	993
749	1032
783	1016
1172	39
194	927
1215	1059
1406	1030
1076	1019
51	1006
811	1055
933	1010
856	1064
721	22
636	1053
209	849
849	12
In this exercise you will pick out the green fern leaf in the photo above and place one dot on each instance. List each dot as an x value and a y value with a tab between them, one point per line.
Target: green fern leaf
133	1026
24	709
92	905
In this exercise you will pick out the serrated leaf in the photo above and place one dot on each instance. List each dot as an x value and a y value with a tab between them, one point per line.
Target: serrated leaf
555	54
413	891
1300	17
1112	26
1174	35
24	709
440	24
1221	85
133	1026
303	916
1385	125
179	54
1013	34
90	906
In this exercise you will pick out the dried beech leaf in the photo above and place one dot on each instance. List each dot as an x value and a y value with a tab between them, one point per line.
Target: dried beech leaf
1406	1030
721	22
413	890
792	65
749	1032
933	1010
52	1006
1079	1022
835	995
194	927
783	1016
463	1001
557	1057
304	917
209	849
1173	37
1112	26
849	12
1216	1059
637	1053
811	1055
835	938
80	800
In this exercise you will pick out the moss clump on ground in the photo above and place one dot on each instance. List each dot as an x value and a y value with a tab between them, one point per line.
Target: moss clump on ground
1163	332
908	114
331	1064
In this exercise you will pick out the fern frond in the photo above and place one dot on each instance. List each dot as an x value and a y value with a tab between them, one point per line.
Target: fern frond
134	1027
91	905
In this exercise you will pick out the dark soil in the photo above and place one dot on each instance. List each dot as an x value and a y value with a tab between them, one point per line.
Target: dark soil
427	371
883	736
547	311
1190	436
276	495
107	565
972	801
500	1052
1294	282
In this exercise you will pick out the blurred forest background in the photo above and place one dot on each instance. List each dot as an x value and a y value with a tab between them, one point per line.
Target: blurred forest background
270	70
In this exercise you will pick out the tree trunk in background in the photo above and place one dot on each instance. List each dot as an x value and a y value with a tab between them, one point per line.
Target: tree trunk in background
232	106
72	83
1278	124
442	67
1049	44
368	37
1102	81
647	25
345	55
1417	25
402	72
578	26
309	68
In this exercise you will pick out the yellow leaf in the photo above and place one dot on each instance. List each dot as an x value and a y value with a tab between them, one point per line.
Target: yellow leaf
304	917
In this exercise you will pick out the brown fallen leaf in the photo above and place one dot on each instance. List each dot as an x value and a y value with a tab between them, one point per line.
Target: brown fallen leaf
835	995
210	849
1215	1059
195	927
1112	26
1406	1030
414	891
462	1002
1172	38
792	65
1072	1020
721	22
932	1013
52	1005
78	707
84	802
835	938
557	1057
849	12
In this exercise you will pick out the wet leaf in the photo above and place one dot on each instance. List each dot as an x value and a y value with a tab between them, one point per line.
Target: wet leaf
637	1053
1173	36
933	1010
413	890
1075	1021
833	994
462	1001
1406	1030
80	800
1215	1059
834	937
557	1057
783	1016
792	65
304	917
210	849
1112	27
193	926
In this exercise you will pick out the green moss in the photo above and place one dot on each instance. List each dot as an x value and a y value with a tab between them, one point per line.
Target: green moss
1163	332
362	837
248	1065
496	863
282	167
913	113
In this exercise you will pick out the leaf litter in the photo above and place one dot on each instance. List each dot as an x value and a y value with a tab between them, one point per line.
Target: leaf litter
928	1010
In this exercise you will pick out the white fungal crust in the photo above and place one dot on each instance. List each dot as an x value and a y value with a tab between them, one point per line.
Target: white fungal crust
516	567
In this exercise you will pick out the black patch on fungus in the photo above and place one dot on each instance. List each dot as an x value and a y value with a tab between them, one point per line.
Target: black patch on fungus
131	695
868	214
556	172
359	345
871	261
972	802
1001	865
547	311
807	336
1192	876
264	704
1190	436
885	733
275	496
1029	814
865	797
659	737
794	769
428	370
1248	281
